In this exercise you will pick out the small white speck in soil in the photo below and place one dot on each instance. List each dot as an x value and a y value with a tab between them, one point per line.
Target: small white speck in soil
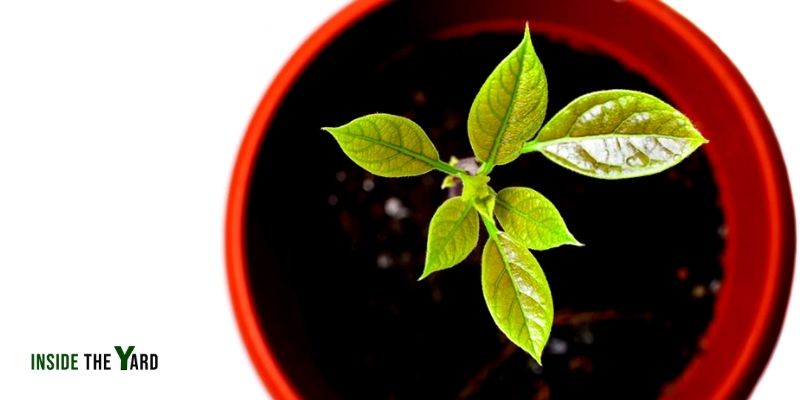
395	209
585	336
368	185
714	286
557	346
384	261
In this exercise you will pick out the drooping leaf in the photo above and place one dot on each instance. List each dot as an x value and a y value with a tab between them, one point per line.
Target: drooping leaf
509	107
531	219
387	145
517	294
452	235
617	134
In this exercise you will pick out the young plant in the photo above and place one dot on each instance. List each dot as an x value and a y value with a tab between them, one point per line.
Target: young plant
612	134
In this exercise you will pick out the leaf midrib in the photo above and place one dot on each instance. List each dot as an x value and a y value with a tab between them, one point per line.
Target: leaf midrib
434	163
515	210
416	155
538	145
501	132
464	215
517	292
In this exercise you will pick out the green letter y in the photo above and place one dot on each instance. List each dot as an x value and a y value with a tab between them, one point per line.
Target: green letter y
123	357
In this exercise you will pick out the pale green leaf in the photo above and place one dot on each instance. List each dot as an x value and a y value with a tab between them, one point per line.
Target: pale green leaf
478	193
517	294
485	205
531	219
449	181
387	145
475	187
452	235
617	134
509	107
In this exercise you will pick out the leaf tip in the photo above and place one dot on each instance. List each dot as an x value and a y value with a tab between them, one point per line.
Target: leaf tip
575	242
425	273
428	268
699	141
538	360
526	36
699	136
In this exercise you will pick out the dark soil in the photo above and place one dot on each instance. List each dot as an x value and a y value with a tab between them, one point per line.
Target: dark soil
335	252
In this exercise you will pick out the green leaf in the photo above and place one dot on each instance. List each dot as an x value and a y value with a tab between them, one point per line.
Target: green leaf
475	187
517	294
485	205
449	181
617	134
388	145
531	219
509	107
452	235
478	193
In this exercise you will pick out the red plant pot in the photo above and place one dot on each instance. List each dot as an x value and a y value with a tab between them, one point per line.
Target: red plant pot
647	37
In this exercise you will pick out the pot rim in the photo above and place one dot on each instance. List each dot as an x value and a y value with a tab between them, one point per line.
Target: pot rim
754	356
264	361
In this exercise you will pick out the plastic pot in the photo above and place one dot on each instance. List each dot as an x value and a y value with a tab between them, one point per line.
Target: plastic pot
646	37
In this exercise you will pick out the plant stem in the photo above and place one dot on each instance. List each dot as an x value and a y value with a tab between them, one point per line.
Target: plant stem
530	147
485	169
490	226
447	168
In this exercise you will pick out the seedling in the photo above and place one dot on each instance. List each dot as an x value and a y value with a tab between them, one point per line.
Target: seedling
611	134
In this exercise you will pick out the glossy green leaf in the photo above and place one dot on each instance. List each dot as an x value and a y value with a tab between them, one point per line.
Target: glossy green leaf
452	235
617	134
517	294
531	219
509	107
387	145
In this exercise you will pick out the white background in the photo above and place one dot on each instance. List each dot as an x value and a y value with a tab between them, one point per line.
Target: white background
119	126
